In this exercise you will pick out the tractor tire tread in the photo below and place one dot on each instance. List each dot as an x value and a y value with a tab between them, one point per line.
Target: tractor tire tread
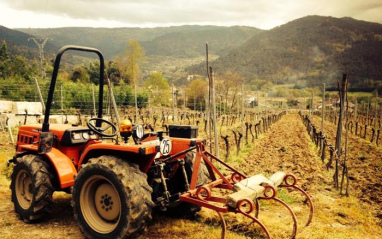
43	189
136	189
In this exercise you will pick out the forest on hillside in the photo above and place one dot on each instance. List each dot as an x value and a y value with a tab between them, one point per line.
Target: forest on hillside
312	50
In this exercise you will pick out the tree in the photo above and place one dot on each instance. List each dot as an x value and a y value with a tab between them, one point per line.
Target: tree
4	60
159	85
129	64
93	72
229	86
79	74
124	94
267	87
257	84
4	52
196	91
135	56
113	73
18	66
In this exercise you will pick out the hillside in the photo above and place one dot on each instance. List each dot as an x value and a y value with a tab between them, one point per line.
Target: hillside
312	48
181	41
192	43
17	42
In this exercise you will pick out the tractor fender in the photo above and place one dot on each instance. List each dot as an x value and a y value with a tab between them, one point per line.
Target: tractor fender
64	167
62	164
144	155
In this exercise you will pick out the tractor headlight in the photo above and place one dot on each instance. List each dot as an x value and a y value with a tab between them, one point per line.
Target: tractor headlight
138	131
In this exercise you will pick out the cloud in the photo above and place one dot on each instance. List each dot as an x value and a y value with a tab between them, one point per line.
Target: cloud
264	14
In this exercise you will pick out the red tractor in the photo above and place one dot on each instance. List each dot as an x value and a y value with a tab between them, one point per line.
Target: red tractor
115	184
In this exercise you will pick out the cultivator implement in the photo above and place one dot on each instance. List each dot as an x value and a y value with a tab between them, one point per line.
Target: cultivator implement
244	193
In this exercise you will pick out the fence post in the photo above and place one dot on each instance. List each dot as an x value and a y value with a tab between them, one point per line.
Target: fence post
10	134
323	111
39	95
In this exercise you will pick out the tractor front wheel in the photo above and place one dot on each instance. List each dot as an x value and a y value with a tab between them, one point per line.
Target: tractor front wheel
111	198
31	188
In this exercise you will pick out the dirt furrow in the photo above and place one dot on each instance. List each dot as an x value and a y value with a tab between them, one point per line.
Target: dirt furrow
364	161
286	148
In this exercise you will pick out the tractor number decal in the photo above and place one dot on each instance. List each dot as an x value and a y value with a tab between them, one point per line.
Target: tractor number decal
165	147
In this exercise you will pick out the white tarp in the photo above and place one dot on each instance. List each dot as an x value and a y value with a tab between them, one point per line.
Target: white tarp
33	108
5	106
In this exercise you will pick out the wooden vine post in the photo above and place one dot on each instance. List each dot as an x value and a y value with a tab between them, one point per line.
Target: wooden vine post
342	93
322	146
323	109
345	173
212	106
375	114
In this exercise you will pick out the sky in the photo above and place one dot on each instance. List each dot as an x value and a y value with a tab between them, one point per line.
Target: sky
263	14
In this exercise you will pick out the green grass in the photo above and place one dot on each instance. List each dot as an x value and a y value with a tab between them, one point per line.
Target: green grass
285	196
360	94
242	155
4	156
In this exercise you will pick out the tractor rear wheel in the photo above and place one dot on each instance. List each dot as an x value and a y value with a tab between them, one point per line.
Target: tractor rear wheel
31	188
111	198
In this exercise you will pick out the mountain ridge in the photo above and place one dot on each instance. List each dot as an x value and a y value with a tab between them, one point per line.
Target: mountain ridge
113	41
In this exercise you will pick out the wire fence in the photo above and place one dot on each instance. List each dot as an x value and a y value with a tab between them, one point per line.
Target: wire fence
72	97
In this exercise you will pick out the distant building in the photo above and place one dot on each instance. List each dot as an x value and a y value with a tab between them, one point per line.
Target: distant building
192	77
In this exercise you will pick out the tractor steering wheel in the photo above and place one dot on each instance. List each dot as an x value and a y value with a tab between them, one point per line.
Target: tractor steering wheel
101	130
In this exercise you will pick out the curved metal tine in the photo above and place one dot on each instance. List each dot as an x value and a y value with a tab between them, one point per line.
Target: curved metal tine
310	204
224	225
255	220
293	216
